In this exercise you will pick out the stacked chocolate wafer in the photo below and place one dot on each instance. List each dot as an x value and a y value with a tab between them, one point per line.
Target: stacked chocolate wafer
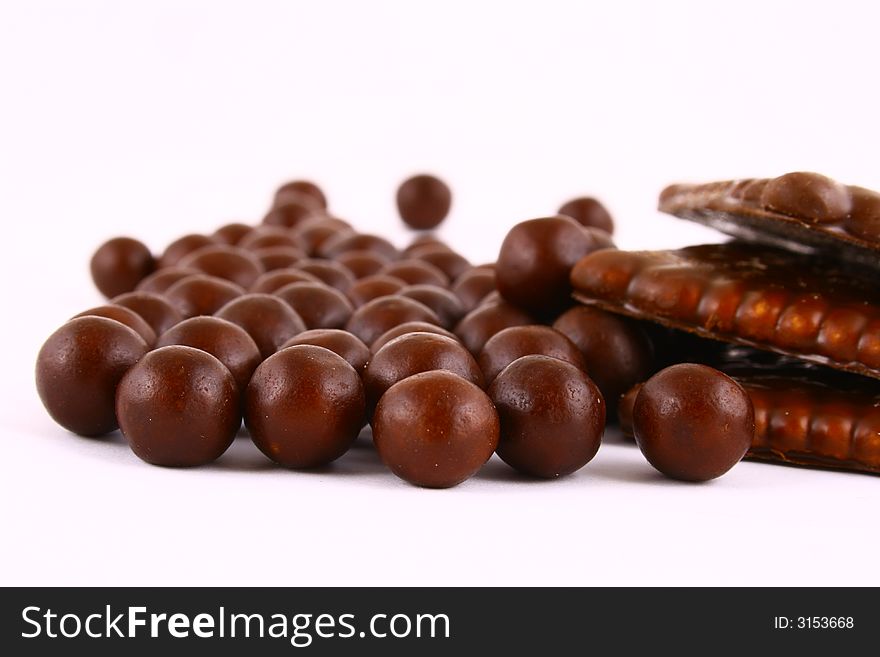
799	281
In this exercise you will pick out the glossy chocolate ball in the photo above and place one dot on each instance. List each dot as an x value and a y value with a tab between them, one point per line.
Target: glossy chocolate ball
473	286
232	234
416	272
178	407
410	327
377	316
313	233
344	242
475	328
268	320
362	263
266	236
278	257
617	351
329	272
304	406
372	287
423	240
552	416
120	264
182	247
341	343
319	305
201	294
125	316
536	259
159	281
413	353
517	341
227	342
692	422
447	261
276	279
588	212
228	262
78	369
292	213
302	188
423	201
154	308
443	302
435	429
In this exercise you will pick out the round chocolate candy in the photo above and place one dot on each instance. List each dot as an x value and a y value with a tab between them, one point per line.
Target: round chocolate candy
292	213
344	242
266	236
410	327
435	429
421	241
276	279
159	281
692	422
372	287
182	247
319	305
473	286
447	261
228	262
617	351
313	233
377	316
120	264
536	259
809	196
297	188
178	407
475	328
232	234
304	406
227	342
154	308
413	353
124	315
201	294
416	272
517	341
423	201
78	369
331	273
552	416
341	343
362	263
443	302
864	218
268	320
588	212
278	257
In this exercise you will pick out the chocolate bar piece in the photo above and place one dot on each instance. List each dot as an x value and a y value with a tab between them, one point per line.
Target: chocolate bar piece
802	421
745	294
804	212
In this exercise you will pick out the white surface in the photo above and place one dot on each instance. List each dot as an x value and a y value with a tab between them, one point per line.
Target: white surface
158	118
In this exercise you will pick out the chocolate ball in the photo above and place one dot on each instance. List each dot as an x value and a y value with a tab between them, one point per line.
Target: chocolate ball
227	342
120	264
301	188
435	429
410	327
552	416
809	196
292	213
78	369
304	406
266	236
377	316
182	247
692	422
517	341
201	294
331	273
588	212
372	287
125	316
416	272
423	201
319	305
178	407
341	343
232	234
421	241
473	286
313	233
228	262
276	279
413	353
268	320
475	328
278	257
344	242
154	308
617	351
443	302
536	259
450	263
864	218
159	281
362	263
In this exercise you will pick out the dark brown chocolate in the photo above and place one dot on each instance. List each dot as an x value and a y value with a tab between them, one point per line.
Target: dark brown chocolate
268	320
228	262
278	278
362	263
372	287
201	294
154	308
298	189
342	343
423	201
319	305
409	327
377	316
344	242
329	272
124	315
443	302
517	341
120	264
587	211
182	247
416	272
475	328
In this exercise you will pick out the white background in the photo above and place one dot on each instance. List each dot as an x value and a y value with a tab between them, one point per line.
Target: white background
159	118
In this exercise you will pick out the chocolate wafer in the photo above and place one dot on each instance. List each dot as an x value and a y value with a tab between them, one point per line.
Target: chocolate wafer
747	294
